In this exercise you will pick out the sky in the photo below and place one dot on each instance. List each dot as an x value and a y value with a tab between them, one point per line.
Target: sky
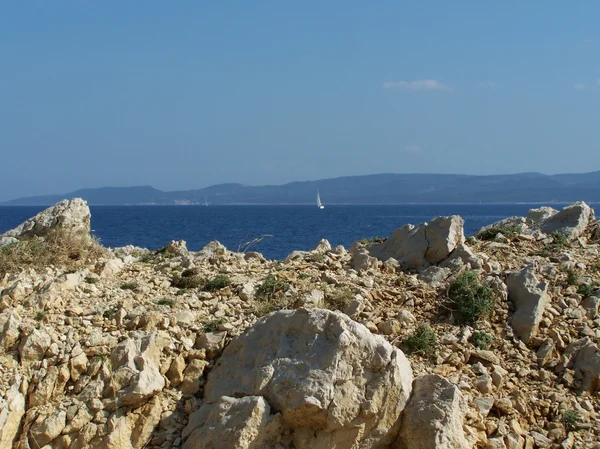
186	94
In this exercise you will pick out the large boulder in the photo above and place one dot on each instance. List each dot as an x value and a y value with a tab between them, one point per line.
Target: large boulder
71	216
537	216
570	222
530	298
416	247
10	322
433	418
328	382
12	409
587	366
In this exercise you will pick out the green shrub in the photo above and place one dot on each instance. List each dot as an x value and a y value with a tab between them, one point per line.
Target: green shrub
217	283
372	240
469	299
264	306
184	282
91	280
481	340
421	341
303	276
41	315
146	258
190	273
213	325
508	231
109	313
338	298
570	419
559	240
586	290
133	286
271	287
166	302
572	278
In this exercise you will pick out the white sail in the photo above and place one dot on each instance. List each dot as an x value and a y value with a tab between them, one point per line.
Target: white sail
205	202
319	205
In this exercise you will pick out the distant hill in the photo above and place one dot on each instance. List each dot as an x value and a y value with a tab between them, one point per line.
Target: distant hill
369	189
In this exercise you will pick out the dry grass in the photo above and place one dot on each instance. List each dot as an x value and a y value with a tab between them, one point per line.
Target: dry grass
58	248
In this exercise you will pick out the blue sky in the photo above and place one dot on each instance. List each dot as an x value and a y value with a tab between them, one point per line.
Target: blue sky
186	94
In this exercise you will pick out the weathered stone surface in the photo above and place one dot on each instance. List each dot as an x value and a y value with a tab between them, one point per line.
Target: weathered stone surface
229	423
313	298
434	276
9	329
33	347
464	256
8	241
46	429
12	409
571	221
110	267
530	299
175	248
591	304
71	216
587	365
211	342
423	245
536	216
136	363
433	418
322	247
506	222
361	259
326	374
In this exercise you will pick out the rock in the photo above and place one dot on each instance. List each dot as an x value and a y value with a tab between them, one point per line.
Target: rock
355	307
175	248
134	430
484	405
360	258
110	267
530	299
322	247
506	222
406	318
33	347
12	409
135	364
434	276
175	371
570	222
186	317
591	304
423	245
70	216
192	376
462	255
389	327
587	366
7	241
314	298
46	429
536	216
326	374
433	418
230	423
9	329
211	342
541	440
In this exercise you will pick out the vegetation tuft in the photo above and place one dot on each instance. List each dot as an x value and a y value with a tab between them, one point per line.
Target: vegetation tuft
570	419
271	287
187	281
41	315
303	276
508	231
372	240
481	340
586	290
572	278
338	298
133	286
217	283
213	325
166	302
421	341
91	280
469	299
58	248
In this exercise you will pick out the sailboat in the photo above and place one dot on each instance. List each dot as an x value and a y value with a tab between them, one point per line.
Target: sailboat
205	202
319	205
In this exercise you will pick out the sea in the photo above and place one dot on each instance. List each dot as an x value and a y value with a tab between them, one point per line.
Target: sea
283	228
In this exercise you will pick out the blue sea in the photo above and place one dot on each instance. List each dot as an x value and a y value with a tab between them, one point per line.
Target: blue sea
288	228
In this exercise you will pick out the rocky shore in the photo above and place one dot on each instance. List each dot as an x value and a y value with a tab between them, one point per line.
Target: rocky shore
426	339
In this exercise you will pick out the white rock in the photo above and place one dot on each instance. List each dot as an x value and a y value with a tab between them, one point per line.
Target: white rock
571	221
587	365
530	299
434	276
12	409
9	329
72	216
434	416
360	260
536	216
325	373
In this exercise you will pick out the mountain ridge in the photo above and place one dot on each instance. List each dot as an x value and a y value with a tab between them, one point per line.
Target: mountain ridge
383	188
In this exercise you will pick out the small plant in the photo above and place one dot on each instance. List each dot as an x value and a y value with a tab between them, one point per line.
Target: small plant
303	276
109	313
41	315
586	290
184	282
213	325
264	306
481	340
339	298
570	419
372	240
133	286
190	272
91	280
271	287
146	258
469	298
422	340
166	302
508	231
572	278
217	283
559	240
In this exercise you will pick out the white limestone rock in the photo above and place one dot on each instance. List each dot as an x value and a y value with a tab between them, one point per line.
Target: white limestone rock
570	222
